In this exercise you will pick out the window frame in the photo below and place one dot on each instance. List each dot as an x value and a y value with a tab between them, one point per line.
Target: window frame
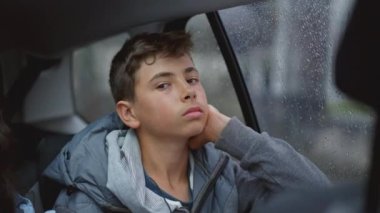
234	70
231	61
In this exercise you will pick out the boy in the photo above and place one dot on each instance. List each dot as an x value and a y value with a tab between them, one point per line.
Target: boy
153	156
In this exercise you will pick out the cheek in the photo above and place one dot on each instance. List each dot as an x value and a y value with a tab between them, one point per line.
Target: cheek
202	95
157	107
204	98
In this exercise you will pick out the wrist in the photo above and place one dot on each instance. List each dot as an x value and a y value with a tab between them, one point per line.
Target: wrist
220	124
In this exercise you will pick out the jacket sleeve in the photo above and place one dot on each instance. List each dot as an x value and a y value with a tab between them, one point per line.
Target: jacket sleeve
267	165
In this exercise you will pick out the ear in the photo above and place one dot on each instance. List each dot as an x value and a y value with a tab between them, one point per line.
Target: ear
125	111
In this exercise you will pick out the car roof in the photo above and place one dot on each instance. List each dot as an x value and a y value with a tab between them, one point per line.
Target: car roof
46	27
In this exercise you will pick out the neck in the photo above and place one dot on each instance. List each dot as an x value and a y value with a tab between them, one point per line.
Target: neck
165	159
166	162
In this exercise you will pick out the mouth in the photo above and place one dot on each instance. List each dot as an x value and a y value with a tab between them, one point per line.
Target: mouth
193	112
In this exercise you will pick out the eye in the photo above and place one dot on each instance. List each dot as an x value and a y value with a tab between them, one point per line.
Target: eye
192	81
163	86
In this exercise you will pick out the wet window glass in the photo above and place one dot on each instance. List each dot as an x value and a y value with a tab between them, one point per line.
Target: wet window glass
212	68
286	50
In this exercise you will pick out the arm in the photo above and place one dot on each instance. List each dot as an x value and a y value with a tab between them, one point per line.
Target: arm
267	165
272	160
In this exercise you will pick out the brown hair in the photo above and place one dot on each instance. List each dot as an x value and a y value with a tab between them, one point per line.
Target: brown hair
136	51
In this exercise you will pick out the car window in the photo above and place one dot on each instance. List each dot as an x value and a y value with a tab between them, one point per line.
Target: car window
212	67
286	50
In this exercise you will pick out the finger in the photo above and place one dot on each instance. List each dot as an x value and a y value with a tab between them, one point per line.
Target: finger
212	108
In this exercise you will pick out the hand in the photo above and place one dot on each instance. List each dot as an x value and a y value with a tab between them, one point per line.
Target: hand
214	126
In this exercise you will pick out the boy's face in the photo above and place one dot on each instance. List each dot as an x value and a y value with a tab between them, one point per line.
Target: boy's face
169	98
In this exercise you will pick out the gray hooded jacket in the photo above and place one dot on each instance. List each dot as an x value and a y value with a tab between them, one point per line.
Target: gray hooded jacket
262	167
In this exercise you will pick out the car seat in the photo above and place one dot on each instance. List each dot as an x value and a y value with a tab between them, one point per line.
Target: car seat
62	101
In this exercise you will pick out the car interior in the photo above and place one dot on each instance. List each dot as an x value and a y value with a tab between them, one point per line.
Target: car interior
54	78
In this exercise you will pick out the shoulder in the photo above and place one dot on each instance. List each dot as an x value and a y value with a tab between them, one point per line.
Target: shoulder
212	163
85	150
95	131
208	157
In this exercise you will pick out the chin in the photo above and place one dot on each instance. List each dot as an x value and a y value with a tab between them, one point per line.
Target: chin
195	130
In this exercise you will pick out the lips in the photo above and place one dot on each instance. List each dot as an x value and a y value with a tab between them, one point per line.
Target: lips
193	112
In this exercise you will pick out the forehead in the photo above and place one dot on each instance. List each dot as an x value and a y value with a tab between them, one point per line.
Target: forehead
159	63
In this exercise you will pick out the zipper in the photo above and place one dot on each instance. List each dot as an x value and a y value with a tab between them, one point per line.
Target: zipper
207	188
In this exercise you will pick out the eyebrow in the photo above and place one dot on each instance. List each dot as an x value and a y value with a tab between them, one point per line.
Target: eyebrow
168	74
190	69
160	75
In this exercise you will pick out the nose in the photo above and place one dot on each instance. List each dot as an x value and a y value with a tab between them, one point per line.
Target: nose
190	96
189	93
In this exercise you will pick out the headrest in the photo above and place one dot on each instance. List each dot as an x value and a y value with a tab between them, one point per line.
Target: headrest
65	98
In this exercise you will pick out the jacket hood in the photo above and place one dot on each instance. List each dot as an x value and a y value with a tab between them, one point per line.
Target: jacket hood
126	176
82	163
